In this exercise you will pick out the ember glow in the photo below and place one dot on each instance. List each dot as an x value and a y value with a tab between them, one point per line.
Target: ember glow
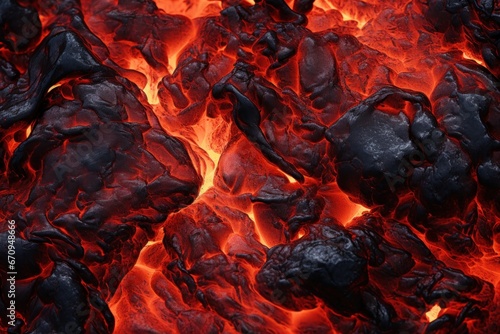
265	166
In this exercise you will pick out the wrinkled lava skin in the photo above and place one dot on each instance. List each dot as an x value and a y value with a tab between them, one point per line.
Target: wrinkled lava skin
201	168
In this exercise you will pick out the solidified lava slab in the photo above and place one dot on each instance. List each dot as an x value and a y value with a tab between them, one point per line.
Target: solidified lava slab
236	166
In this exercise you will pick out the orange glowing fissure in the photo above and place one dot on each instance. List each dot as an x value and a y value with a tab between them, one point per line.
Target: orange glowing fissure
199	268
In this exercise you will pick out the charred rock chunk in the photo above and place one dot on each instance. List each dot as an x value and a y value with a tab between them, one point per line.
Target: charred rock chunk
370	146
102	174
326	264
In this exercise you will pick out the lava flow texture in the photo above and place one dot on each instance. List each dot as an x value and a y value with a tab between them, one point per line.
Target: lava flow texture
277	166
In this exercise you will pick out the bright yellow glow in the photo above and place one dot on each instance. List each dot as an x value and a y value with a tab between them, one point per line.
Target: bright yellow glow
54	86
28	131
139	64
208	179
346	16
261	237
471	57
290	179
151	93
433	313
358	211
203	137
301	233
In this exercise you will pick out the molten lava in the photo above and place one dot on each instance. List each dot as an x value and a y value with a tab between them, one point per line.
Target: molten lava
237	166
